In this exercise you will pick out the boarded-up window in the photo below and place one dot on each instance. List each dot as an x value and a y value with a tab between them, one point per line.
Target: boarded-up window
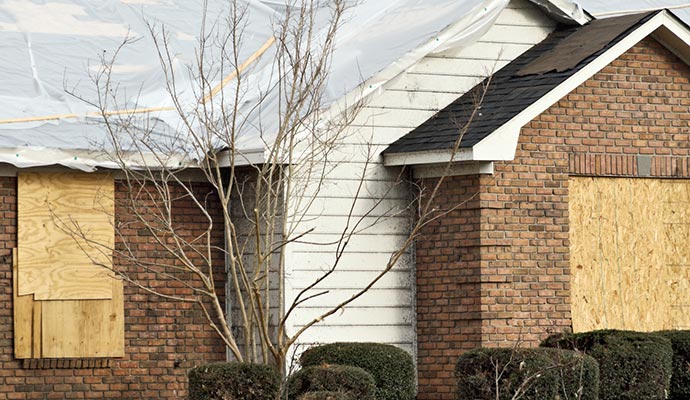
629	253
68	303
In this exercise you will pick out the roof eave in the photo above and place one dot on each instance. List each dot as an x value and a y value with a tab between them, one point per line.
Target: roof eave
500	148
501	144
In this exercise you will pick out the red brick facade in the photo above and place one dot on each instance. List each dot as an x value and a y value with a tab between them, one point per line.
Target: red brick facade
163	339
496	271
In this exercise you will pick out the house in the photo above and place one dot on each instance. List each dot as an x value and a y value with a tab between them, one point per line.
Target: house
533	233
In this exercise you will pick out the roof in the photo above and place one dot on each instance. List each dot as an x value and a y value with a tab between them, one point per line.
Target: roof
48	47
517	86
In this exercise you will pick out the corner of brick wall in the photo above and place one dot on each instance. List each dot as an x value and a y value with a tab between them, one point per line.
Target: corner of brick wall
448	282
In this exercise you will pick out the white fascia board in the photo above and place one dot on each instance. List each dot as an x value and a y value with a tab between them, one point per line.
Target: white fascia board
674	35
502	143
455	169
246	157
426	157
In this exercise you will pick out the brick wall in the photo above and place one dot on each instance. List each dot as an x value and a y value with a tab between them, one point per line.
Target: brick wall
163	339
448	282
630	119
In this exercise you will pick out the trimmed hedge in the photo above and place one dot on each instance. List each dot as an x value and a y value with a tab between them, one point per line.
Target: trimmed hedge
332	378
680	378
537	374
577	374
392	368
327	396
230	381
632	365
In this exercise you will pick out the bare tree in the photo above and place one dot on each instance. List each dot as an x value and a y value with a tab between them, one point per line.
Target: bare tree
261	205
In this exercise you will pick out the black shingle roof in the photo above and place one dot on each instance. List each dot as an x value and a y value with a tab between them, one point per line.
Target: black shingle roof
514	88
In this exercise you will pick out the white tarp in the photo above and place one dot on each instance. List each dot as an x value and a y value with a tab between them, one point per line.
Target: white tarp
605	8
52	47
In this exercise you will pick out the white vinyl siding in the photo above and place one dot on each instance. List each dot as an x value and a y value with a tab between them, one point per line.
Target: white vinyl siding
387	313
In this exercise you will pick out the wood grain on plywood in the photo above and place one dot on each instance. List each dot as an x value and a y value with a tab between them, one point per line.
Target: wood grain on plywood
54	209
23	307
84	328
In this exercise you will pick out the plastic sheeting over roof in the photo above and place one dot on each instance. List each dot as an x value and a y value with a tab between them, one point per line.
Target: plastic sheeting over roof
605	8
52	48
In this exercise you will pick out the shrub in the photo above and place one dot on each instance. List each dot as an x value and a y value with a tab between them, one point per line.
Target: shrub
332	378
632	365
392	368
537	374
577	374
327	396
233	381
680	378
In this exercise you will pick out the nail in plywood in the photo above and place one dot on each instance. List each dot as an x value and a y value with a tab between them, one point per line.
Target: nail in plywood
628	253
51	208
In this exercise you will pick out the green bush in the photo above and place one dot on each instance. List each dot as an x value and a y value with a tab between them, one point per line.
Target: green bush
233	381
392	368
680	378
327	396
577	374
632	365
332	378
533	374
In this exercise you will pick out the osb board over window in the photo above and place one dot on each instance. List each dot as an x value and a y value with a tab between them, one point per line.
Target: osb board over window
629	253
67	302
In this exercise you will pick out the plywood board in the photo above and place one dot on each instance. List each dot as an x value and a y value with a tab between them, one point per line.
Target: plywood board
628	253
84	328
51	208
23	309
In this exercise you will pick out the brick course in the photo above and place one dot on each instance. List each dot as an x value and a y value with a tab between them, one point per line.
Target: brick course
518	232
163	339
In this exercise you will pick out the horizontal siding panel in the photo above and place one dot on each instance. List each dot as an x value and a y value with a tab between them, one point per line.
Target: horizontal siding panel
350	260
362	243
353	152
375	116
343	279
516	34
457	66
363	333
456	85
412	100
351	316
383	225
348	188
371	171
342	207
373	298
378	136
485	51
